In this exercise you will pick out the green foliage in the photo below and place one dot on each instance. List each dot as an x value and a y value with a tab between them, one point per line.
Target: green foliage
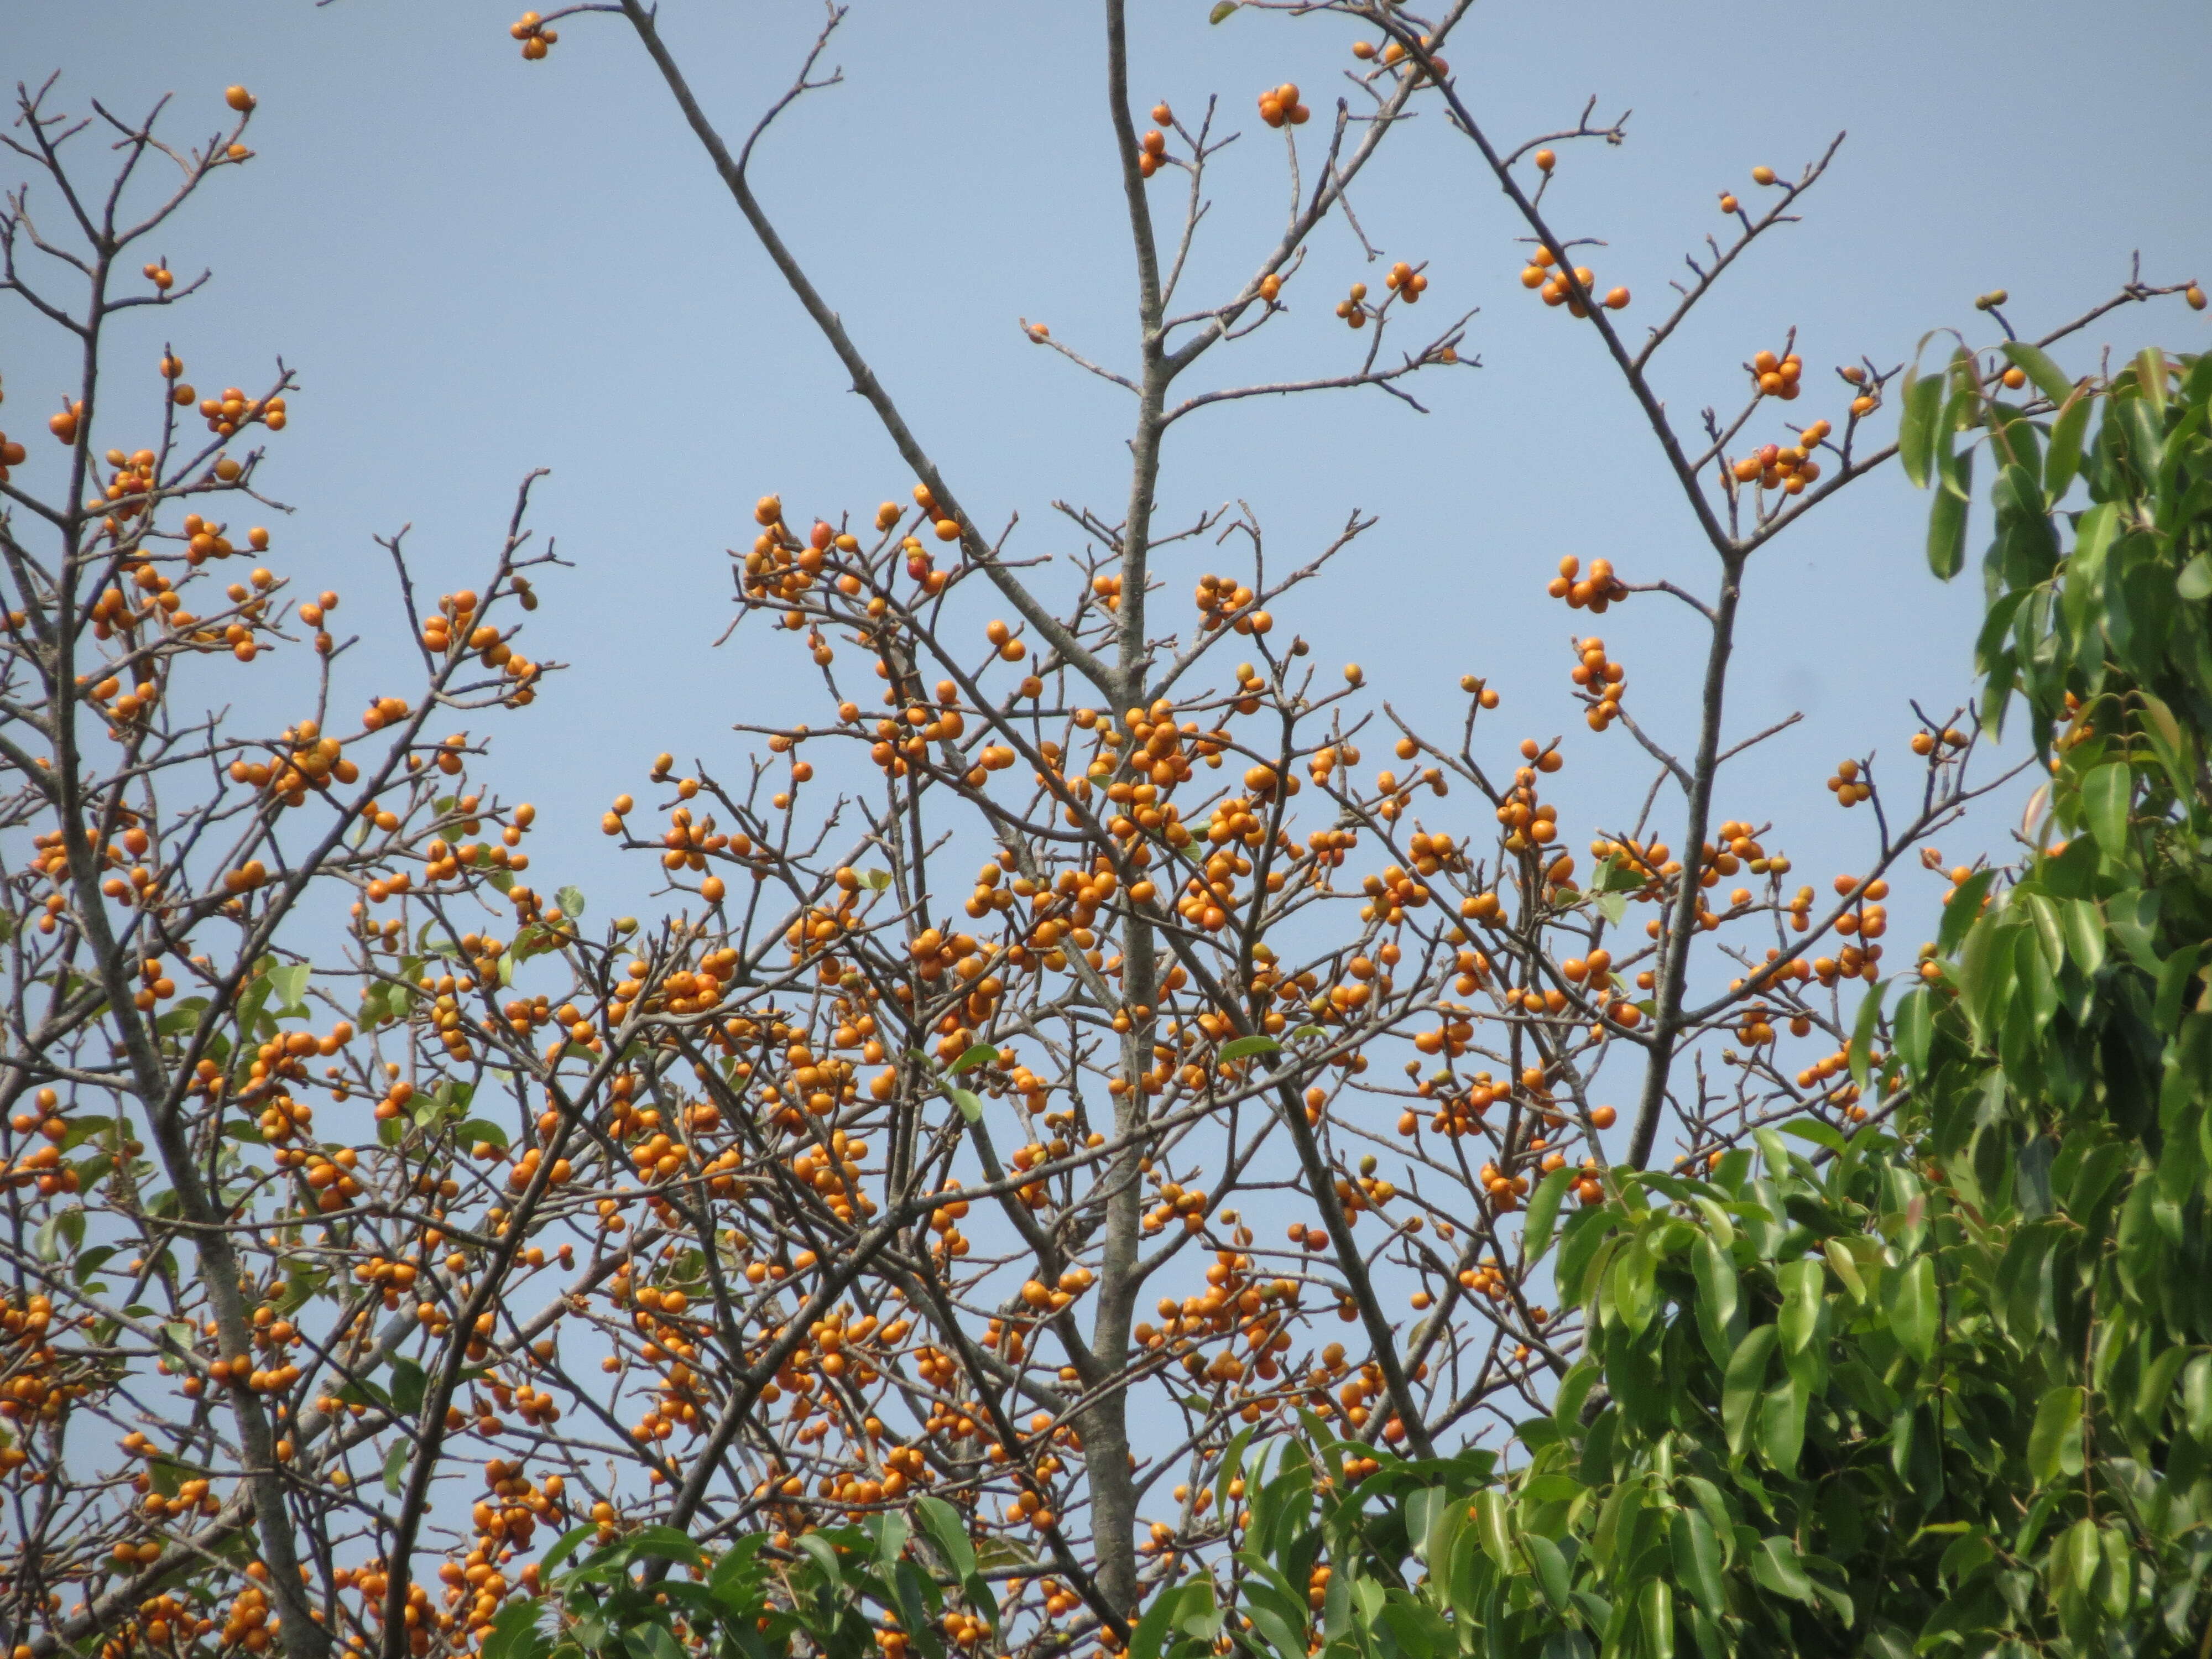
1946	1387
833	1588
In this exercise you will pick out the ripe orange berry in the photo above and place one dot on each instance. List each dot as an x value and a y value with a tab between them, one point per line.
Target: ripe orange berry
239	98
1603	1116
2195	296
1546	161
1729	203
1762	175
1617	300
2014	378
1163	116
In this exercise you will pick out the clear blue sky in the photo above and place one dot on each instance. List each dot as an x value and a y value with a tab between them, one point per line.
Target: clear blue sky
479	266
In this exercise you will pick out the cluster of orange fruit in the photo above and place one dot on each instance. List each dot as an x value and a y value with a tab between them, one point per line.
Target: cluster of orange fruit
1392	53
1595	592
1777	377
1600	678
1788	468
1279	107
1152	147
1407	282
1848	787
1548	273
536	38
227	413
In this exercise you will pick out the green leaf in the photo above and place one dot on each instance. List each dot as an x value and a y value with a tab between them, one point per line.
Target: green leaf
395	1465
1802	1283
1543	1214
478	1129
1303	1032
1746	1378
1657	1605
983	1054
409	1382
1961	908
2107	792
1696	1550
1221	11
1781	1424
2064	460
2050	380
945	1530
662	1544
2197	1399
288	985
571	901
1916	425
1914	1307
1913	1026
1244	1047
970	1103
1946	523
513	1628
1862	1033
2057	1423
1550	1568
1717	1297
1774	1563
2195	581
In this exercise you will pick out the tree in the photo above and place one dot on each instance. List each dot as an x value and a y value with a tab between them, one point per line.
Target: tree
858	1206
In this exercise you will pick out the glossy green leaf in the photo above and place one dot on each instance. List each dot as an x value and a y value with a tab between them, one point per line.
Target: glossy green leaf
1698	1558
409	1382
1543	1215
1776	1566
1947	523
1802	1283
2050	380
1914	1308
1745	1382
1656	1605
2195	581
1780	1430
2197	1399
1245	1047
1920	401
2106	793
980	1053
2061	460
1550	1568
1960	909
1718	1300
2057	1421
1863	1028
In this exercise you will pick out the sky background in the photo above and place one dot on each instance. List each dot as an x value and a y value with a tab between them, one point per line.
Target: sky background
478	266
